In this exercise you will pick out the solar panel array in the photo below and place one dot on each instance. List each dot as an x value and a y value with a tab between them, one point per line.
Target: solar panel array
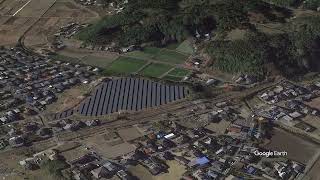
130	94
63	114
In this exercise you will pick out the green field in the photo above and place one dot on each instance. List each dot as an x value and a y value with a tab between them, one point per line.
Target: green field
125	65
161	54
155	70
172	78
179	72
170	56
152	51
139	55
185	47
96	61
60	57
172	46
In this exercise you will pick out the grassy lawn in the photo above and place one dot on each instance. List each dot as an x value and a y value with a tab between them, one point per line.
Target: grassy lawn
96	61
179	72
125	65
170	57
185	47
155	70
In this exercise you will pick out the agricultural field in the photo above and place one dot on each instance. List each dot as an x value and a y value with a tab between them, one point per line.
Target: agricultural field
284	141
172	78
140	55
179	72
152	51
16	17
101	62
160	54
64	58
38	20
176	74
136	62
185	47
125	65
59	14
169	56
155	70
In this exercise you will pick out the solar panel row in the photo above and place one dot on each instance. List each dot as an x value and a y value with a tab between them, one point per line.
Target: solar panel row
131	94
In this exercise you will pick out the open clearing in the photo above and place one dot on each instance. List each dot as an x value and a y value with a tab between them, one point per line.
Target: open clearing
284	141
107	148
175	170
68	99
129	134
314	103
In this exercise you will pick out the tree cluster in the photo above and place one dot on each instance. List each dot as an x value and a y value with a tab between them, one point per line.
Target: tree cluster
165	20
294	52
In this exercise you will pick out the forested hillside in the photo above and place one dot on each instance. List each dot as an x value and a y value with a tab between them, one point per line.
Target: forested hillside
294	51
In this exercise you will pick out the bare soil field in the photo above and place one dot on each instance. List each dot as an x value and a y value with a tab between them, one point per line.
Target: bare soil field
59	14
39	19
16	17
68	9
313	174
35	8
106	149
176	170
74	153
220	127
68	99
129	134
297	148
315	122
9	7
315	103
